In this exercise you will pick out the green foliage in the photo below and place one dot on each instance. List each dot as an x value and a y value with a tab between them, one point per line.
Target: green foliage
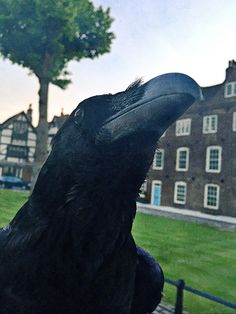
43	35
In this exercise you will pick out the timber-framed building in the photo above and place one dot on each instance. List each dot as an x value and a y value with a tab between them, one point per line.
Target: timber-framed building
18	141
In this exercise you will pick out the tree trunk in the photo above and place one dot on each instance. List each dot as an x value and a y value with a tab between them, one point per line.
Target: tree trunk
41	150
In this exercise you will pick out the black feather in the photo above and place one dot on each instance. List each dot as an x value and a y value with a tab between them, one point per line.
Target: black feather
69	249
132	94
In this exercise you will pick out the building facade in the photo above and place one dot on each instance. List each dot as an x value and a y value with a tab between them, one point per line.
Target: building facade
18	141
54	126
195	164
17	145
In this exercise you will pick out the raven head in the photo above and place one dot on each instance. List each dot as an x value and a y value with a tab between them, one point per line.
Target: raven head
108	141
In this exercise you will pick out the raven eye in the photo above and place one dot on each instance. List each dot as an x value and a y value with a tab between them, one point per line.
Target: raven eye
78	116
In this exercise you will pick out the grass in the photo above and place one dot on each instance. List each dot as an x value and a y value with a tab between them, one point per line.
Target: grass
203	256
10	202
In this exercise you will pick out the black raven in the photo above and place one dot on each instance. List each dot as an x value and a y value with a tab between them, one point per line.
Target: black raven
69	249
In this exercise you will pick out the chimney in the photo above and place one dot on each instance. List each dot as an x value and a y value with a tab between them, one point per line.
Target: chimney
231	71
29	112
62	112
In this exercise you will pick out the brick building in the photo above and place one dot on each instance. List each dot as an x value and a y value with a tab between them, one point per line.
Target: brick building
195	164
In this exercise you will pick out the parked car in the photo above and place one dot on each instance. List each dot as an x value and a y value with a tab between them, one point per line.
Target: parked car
8	182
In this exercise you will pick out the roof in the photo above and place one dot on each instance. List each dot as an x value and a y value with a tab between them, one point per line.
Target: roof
58	121
11	119
210	91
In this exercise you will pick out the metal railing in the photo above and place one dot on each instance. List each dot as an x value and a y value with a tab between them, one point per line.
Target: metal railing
181	286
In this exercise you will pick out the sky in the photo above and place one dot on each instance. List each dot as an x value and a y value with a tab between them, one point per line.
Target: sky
152	37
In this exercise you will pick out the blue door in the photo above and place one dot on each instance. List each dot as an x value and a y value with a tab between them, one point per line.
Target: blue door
156	198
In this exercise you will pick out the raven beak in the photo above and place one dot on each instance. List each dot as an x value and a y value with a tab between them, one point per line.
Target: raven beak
165	99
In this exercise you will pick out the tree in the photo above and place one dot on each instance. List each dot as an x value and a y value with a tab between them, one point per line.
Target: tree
43	36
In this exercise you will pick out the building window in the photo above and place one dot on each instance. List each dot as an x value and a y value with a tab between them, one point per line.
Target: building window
234	122
209	124
158	161
230	89
12	171
180	192
183	127
19	131
143	190
17	151
182	159
213	159
211	196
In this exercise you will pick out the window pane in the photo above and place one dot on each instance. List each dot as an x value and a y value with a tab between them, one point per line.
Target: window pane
183	127
181	190
180	193
210	124
19	131
212	196
214	159
182	159
143	189
229	89
213	123
207	122
234	121
17	151
158	159
234	89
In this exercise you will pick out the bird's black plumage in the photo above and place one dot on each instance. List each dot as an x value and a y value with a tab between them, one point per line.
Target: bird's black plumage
69	249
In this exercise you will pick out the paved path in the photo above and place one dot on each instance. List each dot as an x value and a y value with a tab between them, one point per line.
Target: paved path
223	222
166	309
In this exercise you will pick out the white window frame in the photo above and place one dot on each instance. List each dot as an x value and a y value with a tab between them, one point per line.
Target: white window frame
143	189
180	183
232	93
206	196
234	122
183	127
204	124
180	149
156	182
209	148
162	151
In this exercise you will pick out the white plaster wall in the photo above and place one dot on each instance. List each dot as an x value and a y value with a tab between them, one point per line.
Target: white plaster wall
13	159
31	143
6	132
5	140
32	136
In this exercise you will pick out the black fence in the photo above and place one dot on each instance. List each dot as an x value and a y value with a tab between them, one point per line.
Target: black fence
181	286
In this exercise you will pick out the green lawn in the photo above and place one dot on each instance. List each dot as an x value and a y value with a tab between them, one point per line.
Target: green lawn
203	256
10	202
